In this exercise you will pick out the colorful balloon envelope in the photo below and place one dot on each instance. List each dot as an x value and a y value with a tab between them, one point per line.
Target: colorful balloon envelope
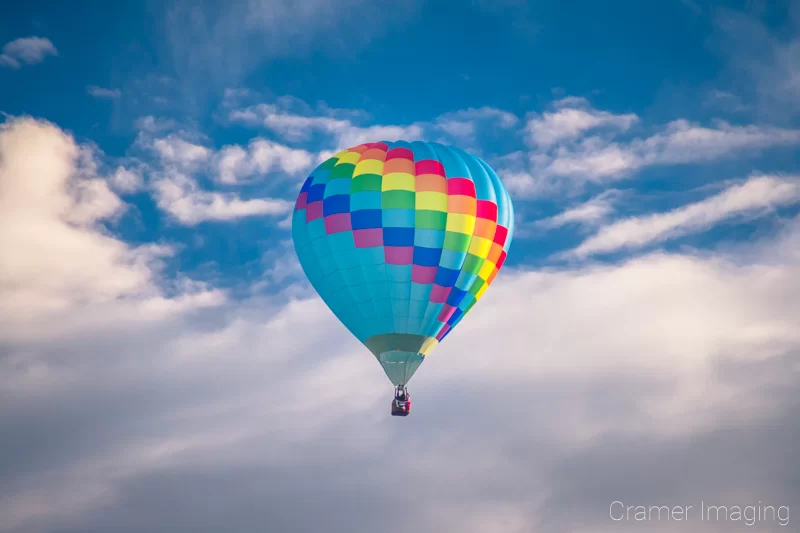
400	240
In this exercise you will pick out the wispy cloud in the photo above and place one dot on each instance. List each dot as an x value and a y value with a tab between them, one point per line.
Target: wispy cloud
180	160
180	195
681	142
764	62
356	135
235	163
463	123
26	51
567	159
295	121
224	42
175	150
126	180
590	213
296	125
288	124
572	118
103	93
726	101
693	6
150	124
756	196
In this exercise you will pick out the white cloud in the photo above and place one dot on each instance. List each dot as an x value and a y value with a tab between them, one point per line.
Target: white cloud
628	368
267	155
354	136
135	382
93	201
569	123
297	128
126	180
658	315
568	153
294	127
520	172
631	288
26	51
52	206
101	469
463	123
180	196
572	102
234	163
756	196
280	266
233	98
594	160
99	476
174	178
150	124
102	92
288	124
523	184
457	128
685	142
589	213
597	159
295	121
175	150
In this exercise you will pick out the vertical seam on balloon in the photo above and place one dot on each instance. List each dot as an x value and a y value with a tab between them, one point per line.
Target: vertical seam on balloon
426	325
451	153
389	146
483	263
482	260
415	147
339	269
372	303
406	377
331	301
387	282
335	299
508	211
462	156
414	230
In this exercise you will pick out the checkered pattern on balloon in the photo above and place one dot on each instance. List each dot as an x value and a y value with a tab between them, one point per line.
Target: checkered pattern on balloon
401	240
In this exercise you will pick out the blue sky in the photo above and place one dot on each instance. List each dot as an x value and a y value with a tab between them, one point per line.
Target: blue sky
154	320
406	66
449	56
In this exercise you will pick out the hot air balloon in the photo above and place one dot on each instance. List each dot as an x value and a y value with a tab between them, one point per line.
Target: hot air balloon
400	240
